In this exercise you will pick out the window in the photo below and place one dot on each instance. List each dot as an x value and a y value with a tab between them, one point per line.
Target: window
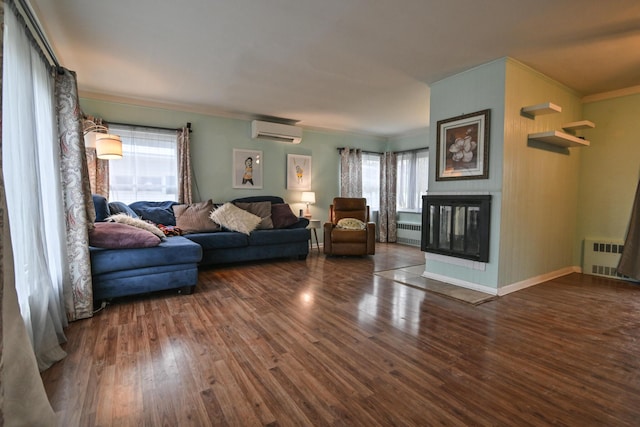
371	180
412	179
148	169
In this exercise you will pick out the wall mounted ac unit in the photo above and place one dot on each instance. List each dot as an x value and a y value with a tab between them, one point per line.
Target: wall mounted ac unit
276	132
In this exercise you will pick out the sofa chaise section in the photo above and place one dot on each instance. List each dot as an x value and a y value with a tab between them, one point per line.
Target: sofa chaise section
173	264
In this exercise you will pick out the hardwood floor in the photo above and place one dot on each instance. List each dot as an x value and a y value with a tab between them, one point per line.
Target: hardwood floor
326	342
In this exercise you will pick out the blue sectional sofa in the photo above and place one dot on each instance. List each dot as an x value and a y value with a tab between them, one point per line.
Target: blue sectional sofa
173	264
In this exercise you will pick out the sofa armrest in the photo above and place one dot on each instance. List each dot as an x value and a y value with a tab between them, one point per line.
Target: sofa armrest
302	223
328	228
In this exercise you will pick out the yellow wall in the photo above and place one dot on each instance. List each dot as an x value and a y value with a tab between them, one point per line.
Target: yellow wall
540	183
609	171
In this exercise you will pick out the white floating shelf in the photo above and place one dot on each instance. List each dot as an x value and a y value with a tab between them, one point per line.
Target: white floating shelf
532	111
582	124
561	139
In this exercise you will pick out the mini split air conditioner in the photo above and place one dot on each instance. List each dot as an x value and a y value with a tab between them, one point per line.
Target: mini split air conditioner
276	132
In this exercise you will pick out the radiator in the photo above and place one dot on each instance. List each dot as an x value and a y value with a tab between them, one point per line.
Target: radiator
601	257
409	233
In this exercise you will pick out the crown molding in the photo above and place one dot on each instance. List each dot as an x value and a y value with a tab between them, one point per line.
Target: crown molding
633	90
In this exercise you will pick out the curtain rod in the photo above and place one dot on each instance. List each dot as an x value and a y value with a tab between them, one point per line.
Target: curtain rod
150	127
362	151
396	152
37	32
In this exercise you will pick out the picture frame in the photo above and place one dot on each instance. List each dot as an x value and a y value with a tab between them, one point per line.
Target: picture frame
298	172
462	149
247	168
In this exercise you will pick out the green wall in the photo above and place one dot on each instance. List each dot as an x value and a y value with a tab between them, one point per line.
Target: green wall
477	89
214	138
609	171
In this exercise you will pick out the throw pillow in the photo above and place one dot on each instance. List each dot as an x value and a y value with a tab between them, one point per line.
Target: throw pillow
232	217
101	206
156	212
120	207
261	209
136	222
194	218
113	235
351	224
282	216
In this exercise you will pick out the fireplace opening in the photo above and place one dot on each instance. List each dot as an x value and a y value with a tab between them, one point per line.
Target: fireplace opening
457	226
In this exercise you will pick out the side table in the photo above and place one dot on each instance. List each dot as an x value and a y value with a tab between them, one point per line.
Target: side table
314	224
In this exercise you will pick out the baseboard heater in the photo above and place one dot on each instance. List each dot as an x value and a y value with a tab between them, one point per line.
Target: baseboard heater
601	257
409	233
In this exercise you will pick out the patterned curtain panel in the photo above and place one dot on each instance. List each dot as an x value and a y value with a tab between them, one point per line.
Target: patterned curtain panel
388	225
98	168
629	264
78	204
185	194
351	172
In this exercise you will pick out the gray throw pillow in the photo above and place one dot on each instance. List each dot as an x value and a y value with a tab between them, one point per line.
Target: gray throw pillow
261	209
194	217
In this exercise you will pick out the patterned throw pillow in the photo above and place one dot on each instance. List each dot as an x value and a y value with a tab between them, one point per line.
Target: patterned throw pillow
232	217
351	224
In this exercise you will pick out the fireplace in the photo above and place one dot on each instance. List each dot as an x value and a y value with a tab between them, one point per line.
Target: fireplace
457	226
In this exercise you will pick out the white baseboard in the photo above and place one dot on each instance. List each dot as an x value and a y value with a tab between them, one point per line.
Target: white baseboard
461	283
504	290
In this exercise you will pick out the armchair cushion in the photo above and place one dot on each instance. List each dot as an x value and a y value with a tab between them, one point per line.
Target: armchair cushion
349	207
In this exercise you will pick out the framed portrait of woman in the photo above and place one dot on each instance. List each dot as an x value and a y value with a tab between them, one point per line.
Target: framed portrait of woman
247	168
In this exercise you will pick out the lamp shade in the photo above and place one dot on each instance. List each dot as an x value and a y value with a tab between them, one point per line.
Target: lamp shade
308	197
108	146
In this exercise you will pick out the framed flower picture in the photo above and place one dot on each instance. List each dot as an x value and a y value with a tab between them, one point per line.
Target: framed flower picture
462	150
298	172
247	168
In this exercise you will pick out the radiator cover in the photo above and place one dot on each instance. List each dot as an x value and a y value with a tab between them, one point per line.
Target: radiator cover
601	257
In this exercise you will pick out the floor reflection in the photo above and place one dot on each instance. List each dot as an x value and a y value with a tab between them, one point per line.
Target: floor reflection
393	302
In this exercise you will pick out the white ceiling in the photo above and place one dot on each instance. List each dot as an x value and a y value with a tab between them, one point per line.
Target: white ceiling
357	65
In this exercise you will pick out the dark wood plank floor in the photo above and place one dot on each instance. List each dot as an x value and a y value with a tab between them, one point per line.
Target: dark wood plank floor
326	342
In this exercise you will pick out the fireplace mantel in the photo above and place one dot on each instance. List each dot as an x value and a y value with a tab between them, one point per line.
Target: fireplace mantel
457	226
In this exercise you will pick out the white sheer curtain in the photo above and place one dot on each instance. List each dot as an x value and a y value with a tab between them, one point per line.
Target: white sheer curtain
148	169
33	191
412	178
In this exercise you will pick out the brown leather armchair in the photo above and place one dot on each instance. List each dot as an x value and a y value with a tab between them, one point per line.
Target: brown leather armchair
340	241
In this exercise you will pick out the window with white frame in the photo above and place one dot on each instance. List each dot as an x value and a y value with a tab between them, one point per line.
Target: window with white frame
371	180
148	169
412	179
